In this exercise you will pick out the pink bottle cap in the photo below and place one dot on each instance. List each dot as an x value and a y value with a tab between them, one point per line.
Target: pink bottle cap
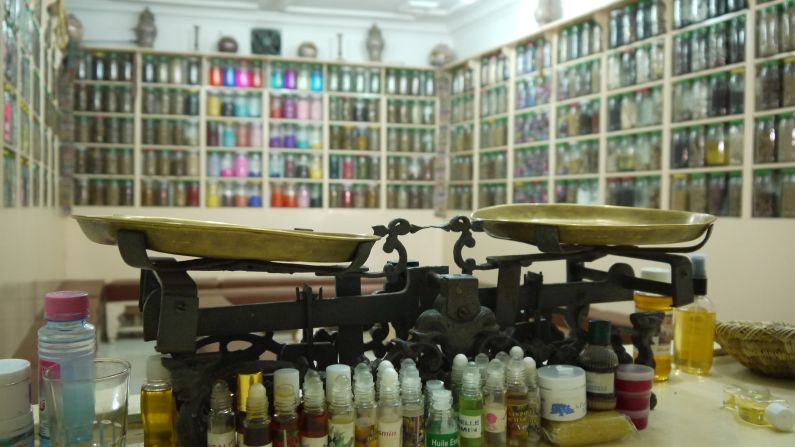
66	305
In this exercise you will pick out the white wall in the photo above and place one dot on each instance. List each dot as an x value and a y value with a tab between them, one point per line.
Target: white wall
31	263
110	23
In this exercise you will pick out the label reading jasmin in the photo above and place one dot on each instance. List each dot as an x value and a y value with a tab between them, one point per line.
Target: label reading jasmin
495	419
340	435
441	439
389	433
518	419
599	383
221	439
314	442
469	426
413	431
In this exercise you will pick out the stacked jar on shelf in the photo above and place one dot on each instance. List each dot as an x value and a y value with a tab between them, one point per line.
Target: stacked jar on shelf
634	153
529	163
636	65
639	191
579	80
577	158
691	12
710	47
533	62
581	191
774	193
719	94
718	193
462	114
580	40
578	119
642	108
636	22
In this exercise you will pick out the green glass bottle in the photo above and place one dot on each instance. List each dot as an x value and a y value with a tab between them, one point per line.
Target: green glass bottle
470	408
441	429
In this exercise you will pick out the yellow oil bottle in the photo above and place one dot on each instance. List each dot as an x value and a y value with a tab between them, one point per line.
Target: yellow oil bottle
645	302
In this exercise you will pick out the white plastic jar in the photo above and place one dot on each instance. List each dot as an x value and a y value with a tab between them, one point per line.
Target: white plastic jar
562	392
14	388
18	431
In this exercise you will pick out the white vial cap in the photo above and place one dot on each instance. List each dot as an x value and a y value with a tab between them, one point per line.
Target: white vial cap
332	372
780	416
288	376
661	274
516	352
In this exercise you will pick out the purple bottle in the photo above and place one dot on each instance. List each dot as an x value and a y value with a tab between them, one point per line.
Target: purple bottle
289	107
289	137
276	139
290	77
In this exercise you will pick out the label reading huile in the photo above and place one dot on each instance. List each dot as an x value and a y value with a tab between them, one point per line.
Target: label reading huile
441	439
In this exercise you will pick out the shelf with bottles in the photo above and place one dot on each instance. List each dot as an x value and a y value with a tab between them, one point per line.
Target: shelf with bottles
579	80
531	191
409	196
532	93
775	85
493	166
296	108
710	48
354	81
354	167
579	41
354	138
170	132
774	38
578	119
462	109
719	95
494	69
354	195
410	83
772	139
103	191
638	191
9	179
694	14
459	197
240	164
306	167
103	161
238	105
533	57
493	133
171	70
635	23
111	68
462	138
713	145
635	110
490	194
640	152
167	103
774	193
577	158
531	161
494	102
292	76
233	74
531	128
234	134
582	191
408	112
233	193
460	168
642	66
462	81
717	193
101	130
411	140
351	110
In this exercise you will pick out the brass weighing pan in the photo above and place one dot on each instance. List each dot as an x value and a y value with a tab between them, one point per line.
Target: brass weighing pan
594	225
228	241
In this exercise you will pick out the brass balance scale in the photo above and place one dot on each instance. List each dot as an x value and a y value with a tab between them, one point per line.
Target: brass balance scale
435	314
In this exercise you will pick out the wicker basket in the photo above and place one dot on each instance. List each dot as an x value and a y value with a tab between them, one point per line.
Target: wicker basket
764	347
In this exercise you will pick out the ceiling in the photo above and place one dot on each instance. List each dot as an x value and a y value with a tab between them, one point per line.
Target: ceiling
402	10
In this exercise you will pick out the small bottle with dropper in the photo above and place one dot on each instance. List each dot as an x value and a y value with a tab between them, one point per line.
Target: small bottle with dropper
456	377
495	430
441	429
221	419
256	426
533	401
341	414
284	427
390	422
431	386
366	429
517	404
314	419
412	411
470	408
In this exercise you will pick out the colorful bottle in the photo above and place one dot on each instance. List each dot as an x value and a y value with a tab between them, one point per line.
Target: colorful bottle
341	415
221	419
694	326
457	373
495	427
470	408
600	363
441	430
68	342
158	408
412	409
533	400
257	425
757	406
314	419
366	430
661	345
390	422
284	427
517	404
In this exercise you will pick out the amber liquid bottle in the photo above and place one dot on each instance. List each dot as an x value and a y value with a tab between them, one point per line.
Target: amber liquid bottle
284	425
158	410
314	418
517	403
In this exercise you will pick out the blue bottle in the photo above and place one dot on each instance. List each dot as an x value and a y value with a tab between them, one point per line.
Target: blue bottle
317	78
68	342
229	74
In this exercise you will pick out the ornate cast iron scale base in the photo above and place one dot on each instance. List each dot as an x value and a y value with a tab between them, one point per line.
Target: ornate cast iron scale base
435	314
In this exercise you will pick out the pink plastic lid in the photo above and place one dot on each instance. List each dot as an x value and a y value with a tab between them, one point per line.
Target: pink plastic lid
66	305
634	372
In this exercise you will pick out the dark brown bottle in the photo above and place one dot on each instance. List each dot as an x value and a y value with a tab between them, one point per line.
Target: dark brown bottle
600	364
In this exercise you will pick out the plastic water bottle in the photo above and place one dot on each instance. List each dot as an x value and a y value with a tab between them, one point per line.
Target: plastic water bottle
68	343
